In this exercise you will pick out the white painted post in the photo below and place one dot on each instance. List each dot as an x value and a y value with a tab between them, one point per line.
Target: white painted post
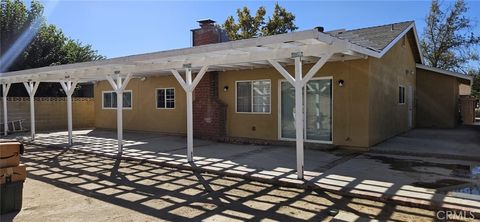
69	88
32	89
5	88
69	120
189	86
298	83
299	115
120	114
188	76
119	86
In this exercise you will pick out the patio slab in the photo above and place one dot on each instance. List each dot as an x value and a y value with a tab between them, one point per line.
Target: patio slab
404	179
459	143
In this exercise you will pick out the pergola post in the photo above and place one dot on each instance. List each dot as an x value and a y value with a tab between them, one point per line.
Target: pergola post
69	88
32	87
5	89
189	86
299	81
119	84
299	116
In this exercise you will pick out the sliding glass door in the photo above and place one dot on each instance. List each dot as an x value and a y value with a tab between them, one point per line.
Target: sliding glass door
317	109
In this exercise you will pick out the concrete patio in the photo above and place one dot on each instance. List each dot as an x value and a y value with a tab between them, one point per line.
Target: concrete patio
406	179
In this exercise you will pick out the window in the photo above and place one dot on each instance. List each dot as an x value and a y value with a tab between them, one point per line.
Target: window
166	98
110	100
401	95
253	96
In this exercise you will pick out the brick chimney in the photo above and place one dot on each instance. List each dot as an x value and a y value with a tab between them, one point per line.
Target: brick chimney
209	113
208	33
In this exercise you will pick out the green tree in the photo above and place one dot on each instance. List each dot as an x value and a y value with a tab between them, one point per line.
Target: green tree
476	81
248	26
27	41
448	41
281	21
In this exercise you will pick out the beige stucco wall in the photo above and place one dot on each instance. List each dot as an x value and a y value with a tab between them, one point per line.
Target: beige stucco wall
387	118
437	99
365	109
350	109
144	116
51	113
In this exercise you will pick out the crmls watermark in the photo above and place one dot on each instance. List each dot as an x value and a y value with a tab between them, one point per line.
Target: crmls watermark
454	215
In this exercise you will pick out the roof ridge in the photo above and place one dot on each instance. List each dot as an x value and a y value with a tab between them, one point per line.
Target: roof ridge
376	26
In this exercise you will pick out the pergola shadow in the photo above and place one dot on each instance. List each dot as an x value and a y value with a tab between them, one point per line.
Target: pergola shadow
168	155
178	195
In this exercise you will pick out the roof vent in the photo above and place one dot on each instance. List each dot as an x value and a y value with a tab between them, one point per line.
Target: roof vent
320	28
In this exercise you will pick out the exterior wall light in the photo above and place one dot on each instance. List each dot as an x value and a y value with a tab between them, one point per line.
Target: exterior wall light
341	82
225	88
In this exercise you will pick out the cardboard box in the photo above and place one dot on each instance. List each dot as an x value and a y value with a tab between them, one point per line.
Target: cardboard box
10	154
13	174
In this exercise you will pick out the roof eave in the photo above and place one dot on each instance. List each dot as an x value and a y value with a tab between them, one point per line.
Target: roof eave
445	72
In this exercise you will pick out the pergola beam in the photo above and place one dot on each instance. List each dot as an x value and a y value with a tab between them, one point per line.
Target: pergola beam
5	89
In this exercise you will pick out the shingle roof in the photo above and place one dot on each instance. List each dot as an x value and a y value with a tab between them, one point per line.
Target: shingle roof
375	38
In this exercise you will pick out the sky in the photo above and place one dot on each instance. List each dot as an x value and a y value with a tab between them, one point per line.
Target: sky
120	28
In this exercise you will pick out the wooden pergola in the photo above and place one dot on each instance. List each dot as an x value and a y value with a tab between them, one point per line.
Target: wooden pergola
311	46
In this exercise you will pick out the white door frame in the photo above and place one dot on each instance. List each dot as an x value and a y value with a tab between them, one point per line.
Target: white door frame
279	113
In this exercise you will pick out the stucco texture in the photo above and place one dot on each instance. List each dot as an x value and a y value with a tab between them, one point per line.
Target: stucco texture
349	102
144	116
437	100
396	68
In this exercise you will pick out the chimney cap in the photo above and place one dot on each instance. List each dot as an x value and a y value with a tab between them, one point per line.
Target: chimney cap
205	21
320	28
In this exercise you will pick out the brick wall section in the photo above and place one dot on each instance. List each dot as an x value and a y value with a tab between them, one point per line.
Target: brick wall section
209	113
206	35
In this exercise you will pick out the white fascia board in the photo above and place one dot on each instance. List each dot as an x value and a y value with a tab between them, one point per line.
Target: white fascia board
445	72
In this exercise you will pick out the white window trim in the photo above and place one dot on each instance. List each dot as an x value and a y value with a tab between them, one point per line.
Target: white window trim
404	96
111	91
174	98
304	119
252	112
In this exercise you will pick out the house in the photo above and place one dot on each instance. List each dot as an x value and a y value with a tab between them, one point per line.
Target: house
350	102
357	87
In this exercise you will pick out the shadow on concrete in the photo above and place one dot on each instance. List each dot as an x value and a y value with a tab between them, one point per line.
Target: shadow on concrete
179	195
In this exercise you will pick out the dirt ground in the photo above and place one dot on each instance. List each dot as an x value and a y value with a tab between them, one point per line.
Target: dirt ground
73	186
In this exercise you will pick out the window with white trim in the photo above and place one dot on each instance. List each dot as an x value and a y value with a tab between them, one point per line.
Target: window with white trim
253	96
166	98
401	95
110	100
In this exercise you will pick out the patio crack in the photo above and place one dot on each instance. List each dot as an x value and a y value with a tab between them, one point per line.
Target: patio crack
337	162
